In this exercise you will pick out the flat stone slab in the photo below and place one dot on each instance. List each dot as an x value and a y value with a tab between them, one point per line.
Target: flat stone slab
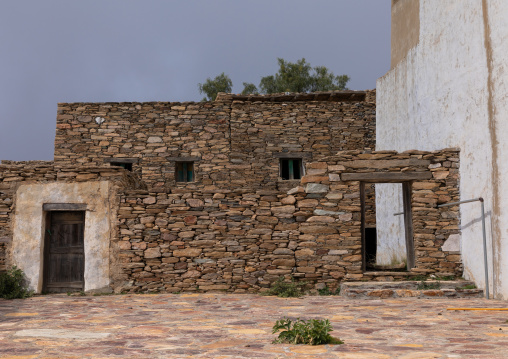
403	289
227	326
60	334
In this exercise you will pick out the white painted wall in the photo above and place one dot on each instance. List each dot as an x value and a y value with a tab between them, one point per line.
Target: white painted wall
438	97
28	239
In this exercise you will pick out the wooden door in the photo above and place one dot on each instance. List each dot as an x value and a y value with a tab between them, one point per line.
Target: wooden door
64	257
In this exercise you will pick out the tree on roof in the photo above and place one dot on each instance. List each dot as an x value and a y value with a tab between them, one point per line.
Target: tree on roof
221	83
297	76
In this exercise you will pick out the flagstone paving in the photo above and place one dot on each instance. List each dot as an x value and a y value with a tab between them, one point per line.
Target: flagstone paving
239	326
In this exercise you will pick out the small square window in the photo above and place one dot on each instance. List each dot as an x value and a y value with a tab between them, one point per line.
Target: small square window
291	168
184	171
127	166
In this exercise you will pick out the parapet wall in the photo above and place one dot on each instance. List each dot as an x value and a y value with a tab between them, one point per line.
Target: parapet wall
236	141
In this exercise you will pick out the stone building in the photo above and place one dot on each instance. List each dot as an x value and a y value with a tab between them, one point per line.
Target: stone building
225	195
447	87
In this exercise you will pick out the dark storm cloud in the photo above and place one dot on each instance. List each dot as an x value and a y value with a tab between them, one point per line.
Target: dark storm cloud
121	50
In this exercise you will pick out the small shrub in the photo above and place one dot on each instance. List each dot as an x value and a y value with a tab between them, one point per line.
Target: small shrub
426	285
284	289
327	291
312	332
13	284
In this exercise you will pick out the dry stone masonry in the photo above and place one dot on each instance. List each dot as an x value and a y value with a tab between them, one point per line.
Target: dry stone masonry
237	225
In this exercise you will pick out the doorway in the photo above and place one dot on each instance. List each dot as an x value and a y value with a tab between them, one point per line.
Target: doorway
387	234
64	255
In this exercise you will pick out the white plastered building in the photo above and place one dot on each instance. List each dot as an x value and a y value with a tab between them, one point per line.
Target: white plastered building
448	87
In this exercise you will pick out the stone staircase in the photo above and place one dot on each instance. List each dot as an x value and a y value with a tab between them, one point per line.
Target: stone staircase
404	289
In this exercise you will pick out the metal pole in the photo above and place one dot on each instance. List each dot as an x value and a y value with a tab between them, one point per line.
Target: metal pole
480	199
485	250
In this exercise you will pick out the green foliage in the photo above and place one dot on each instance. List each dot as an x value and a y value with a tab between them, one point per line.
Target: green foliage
467	286
312	332
284	289
13	284
297	76
301	77
327	291
249	88
426	285
221	83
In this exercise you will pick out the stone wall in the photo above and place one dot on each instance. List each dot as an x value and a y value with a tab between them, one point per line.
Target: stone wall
13	174
235	141
242	240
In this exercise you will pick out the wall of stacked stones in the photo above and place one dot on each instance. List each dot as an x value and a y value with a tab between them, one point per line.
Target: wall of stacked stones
234	143
13	174
262	132
432	226
88	133
242	240
237	240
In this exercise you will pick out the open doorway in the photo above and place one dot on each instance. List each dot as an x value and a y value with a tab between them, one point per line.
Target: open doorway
387	236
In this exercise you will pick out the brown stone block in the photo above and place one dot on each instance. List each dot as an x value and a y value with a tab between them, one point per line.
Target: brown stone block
284	262
187	252
381	293
318	229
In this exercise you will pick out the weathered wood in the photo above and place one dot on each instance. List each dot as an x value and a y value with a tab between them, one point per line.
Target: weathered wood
64	257
64	206
408	224
292	155
121	160
183	159
363	215
5	239
385	177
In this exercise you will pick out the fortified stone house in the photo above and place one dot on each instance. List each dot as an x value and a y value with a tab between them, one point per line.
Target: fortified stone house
224	195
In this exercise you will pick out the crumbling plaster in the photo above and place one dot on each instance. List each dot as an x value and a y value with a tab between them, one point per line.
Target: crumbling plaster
450	90
29	225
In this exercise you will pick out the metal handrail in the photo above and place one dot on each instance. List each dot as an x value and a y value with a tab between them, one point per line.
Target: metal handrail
480	199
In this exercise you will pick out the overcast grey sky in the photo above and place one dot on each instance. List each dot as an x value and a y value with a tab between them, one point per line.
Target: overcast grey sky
159	50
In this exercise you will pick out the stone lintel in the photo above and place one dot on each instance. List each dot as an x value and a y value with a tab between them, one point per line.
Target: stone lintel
121	160
64	207
383	177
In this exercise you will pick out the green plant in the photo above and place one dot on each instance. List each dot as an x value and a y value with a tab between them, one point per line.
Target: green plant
312	332
327	291
418	278
13	284
284	289
467	286
426	285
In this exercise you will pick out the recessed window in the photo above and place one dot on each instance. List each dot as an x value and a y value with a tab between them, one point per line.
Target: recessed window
184	171
127	166
291	168
122	162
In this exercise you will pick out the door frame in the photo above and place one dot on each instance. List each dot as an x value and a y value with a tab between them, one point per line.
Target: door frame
48	209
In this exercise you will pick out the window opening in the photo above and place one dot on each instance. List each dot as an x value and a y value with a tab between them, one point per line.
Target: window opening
291	168
127	166
184	171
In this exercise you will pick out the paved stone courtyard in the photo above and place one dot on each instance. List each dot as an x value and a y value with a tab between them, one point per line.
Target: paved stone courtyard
221	325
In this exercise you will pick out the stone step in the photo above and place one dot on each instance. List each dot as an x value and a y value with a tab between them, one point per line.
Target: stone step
404	289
